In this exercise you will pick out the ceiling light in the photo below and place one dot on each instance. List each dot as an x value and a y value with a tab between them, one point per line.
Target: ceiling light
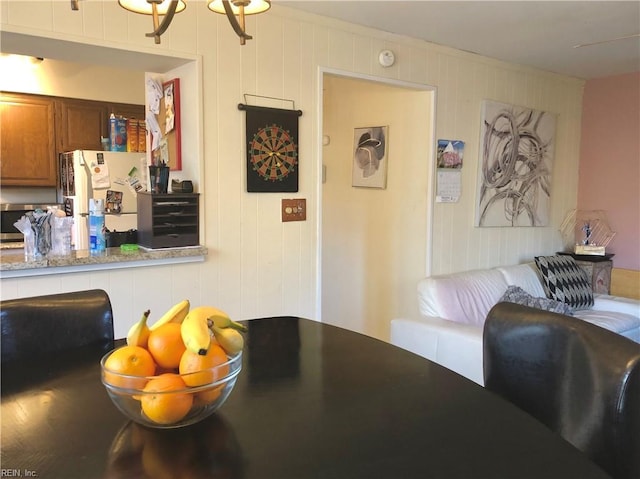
146	7
239	8
155	8
168	8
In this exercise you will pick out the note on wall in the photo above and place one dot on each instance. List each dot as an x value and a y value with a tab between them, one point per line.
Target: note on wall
449	186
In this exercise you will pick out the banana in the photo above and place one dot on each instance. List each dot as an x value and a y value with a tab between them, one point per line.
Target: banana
212	313
195	331
175	314
230	339
139	333
225	321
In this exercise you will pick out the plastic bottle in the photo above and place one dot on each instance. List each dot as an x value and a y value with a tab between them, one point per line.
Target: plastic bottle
97	240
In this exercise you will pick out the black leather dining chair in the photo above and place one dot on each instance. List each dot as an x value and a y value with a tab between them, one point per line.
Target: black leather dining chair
580	380
44	324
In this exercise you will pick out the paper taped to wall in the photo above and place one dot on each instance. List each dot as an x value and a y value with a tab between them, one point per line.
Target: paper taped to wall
448	186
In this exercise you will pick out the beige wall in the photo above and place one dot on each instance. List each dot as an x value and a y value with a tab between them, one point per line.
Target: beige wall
74	80
257	265
374	241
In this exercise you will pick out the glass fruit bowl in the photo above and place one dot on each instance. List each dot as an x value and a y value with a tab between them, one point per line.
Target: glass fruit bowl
164	400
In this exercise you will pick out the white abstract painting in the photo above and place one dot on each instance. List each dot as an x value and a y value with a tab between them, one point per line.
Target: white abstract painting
516	155
369	168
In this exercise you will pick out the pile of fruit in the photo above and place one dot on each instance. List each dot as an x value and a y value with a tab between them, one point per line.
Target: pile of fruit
186	348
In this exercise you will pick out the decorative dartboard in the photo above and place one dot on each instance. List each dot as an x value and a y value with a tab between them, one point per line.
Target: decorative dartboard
273	153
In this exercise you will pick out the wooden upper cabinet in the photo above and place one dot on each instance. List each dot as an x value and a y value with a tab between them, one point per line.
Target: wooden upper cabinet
27	139
35	128
80	124
126	110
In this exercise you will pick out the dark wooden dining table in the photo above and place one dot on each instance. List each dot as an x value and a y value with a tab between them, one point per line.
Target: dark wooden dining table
312	401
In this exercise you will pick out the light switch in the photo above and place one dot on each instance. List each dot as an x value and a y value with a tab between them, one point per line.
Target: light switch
294	209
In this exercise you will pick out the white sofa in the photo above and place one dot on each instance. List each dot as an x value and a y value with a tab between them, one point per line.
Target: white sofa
453	309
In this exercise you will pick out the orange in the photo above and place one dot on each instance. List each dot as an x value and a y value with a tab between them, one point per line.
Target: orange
198	370
166	346
203	398
161	405
130	361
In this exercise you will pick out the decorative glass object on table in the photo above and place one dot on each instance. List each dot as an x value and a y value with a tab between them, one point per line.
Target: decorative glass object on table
586	232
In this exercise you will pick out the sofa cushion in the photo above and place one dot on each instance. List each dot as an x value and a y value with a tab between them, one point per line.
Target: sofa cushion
526	276
565	281
462	297
624	324
517	295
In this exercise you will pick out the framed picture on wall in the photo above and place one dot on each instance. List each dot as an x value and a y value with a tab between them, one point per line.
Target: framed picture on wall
370	145
516	156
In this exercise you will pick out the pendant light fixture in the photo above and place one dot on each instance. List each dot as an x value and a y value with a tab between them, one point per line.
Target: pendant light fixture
235	10
239	8
155	8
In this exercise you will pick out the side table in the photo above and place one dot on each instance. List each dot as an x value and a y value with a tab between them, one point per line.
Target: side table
598	269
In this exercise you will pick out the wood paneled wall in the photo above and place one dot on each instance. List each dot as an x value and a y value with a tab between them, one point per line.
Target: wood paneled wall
257	265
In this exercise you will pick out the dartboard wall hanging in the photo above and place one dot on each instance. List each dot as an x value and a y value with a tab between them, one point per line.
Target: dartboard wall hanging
272	150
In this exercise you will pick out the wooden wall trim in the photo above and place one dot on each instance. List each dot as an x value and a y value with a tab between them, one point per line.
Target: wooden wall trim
625	282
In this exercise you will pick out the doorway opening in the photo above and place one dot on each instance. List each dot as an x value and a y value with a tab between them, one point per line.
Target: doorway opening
375	239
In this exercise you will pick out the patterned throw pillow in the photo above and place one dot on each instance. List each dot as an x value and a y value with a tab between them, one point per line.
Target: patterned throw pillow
516	294
565	281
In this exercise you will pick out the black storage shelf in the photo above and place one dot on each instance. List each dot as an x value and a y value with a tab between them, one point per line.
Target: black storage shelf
168	220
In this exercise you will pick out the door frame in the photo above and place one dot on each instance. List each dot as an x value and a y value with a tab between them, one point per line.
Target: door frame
322	71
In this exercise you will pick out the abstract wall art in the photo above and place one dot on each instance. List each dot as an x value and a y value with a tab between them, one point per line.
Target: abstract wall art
369	168
516	155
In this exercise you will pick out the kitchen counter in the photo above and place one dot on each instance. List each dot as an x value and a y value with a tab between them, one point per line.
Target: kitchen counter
13	264
14	245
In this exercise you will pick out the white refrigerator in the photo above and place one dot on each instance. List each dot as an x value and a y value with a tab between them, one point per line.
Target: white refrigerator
112	176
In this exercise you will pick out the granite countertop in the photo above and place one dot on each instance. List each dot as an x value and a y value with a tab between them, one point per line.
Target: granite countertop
12	260
15	245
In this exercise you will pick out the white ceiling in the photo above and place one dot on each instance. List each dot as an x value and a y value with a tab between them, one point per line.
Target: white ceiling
534	33
85	53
